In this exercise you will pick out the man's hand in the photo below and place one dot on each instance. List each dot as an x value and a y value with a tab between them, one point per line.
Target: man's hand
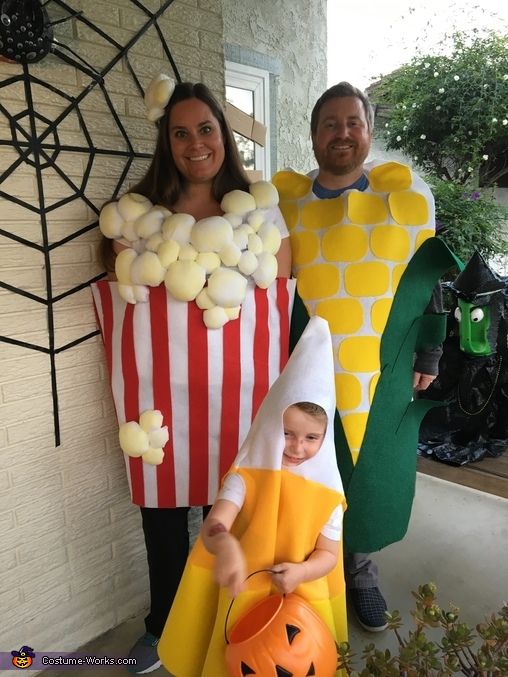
288	575
422	381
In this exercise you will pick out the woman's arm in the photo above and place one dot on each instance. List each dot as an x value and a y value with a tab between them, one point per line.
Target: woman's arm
283	257
289	575
230	568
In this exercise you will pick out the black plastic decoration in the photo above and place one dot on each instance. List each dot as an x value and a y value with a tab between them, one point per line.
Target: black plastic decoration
36	141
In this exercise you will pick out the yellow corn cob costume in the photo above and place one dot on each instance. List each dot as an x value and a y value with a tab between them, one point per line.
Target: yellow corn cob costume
349	255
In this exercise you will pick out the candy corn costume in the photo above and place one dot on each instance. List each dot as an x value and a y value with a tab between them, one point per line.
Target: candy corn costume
282	516
367	262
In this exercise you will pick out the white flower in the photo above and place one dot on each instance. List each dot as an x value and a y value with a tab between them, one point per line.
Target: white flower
423	137
438	107
456	77
505	122
469	169
485	86
405	127
386	124
470	133
414	105
485	157
494	119
404	106
436	74
399	138
441	90
426	64
415	157
505	77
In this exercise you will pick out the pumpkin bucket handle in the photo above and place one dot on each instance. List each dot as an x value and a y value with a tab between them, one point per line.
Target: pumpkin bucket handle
259	571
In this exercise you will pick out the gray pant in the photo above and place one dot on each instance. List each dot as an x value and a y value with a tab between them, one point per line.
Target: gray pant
360	571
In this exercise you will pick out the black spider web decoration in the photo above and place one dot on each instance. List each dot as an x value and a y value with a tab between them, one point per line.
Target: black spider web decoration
35	138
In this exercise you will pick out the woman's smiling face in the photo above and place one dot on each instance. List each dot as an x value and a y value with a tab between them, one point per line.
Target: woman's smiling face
196	141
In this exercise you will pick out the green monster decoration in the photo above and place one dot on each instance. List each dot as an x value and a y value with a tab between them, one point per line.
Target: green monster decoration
473	372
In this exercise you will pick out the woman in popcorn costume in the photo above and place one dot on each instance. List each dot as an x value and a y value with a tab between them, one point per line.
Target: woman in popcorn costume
196	326
280	508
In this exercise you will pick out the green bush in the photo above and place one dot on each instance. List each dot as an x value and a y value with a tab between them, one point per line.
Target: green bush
469	219
449	111
458	651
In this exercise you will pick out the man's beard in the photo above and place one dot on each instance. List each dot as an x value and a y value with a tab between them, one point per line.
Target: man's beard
337	166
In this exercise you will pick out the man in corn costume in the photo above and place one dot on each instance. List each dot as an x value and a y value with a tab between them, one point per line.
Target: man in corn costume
366	260
283	513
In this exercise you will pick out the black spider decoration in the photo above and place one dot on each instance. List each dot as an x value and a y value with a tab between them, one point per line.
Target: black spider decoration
26	31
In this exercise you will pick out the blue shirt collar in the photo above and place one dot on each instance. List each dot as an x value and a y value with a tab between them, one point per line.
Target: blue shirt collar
325	193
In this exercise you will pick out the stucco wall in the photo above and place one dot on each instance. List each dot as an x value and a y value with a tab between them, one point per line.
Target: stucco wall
294	33
72	560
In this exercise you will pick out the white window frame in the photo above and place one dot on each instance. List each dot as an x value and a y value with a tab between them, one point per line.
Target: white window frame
257	81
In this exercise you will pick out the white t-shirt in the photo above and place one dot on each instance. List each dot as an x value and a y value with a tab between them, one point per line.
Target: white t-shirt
233	489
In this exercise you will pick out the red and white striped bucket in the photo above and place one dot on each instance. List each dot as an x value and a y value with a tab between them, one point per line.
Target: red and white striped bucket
208	383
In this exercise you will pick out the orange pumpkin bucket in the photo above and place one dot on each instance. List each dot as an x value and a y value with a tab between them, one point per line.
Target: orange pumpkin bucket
281	636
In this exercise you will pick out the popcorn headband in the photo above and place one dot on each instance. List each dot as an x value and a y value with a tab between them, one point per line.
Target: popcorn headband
157	96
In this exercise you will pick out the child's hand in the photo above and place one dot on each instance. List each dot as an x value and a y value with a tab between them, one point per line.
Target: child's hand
230	568
288	575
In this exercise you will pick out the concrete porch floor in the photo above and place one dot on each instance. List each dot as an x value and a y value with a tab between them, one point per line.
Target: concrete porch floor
457	538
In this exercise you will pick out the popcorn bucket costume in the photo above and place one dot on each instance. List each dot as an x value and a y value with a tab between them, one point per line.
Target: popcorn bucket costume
367	262
283	513
196	329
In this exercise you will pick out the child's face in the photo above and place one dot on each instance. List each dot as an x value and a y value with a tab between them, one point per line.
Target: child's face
303	435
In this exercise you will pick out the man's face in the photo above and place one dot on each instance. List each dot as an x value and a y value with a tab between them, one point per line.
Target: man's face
342	139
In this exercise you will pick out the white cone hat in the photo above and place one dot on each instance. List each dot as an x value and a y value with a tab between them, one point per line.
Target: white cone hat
307	377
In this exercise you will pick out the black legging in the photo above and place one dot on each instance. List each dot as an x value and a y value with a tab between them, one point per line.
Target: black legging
166	533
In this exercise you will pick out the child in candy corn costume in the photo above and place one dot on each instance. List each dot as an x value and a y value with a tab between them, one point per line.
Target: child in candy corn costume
290	510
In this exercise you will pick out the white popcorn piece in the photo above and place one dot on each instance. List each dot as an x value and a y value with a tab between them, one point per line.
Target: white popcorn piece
159	437
111	221
126	291
140	293
185	279
248	263
129	231
234	219
211	234
255	244
227	287
203	301
151	419
230	254
168	252
215	317
270	237
210	261
153	242
264	193
148	224
133	439
133	205
233	313
123	265
147	269
256	219
178	227
238	202
266	272
187	253
153	456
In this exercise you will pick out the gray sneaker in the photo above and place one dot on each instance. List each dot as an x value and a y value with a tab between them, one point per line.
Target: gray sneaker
144	652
